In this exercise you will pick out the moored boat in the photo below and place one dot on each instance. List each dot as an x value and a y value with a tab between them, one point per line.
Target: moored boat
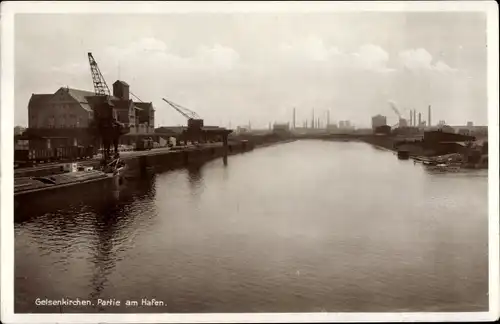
444	167
403	154
74	176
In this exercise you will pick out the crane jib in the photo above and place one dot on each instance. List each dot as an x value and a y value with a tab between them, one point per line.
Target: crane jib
189	114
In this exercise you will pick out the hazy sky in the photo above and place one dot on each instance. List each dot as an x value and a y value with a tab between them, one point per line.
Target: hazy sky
240	67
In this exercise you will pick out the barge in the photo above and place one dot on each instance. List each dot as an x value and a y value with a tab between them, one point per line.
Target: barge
32	191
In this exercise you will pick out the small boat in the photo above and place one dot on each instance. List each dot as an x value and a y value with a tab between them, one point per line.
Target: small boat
444	167
403	154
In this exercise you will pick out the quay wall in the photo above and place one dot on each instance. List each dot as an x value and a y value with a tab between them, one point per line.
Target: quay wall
164	160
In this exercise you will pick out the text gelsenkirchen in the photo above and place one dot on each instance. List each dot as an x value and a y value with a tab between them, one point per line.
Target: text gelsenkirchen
62	302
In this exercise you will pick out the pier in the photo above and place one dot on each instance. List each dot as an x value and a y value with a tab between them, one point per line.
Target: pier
162	159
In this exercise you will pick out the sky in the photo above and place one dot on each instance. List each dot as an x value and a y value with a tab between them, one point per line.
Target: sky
236	68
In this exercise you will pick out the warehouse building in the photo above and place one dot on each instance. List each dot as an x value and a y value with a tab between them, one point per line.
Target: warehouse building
62	118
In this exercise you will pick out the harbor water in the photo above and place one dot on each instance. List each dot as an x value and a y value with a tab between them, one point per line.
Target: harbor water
306	226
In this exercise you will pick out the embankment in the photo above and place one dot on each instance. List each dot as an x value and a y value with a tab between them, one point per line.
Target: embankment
159	160
416	147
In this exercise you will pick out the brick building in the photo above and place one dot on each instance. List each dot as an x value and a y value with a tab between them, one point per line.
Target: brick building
65	115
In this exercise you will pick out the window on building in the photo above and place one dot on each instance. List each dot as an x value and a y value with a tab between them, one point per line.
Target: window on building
51	121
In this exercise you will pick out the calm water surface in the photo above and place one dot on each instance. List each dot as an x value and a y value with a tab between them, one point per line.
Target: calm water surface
300	227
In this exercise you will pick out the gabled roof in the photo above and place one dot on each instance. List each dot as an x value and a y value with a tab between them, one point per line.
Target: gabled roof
144	105
39	99
85	98
80	95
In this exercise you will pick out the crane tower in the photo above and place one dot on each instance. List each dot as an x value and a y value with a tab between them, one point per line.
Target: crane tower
100	86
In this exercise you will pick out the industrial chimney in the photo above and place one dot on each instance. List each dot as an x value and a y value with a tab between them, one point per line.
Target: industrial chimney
293	118
429	117
419	119
411	117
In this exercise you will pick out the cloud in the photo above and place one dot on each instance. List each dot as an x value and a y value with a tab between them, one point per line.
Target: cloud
218	56
313	49
443	67
372	57
420	59
153	55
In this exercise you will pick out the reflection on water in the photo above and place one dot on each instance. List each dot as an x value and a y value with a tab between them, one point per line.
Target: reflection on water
195	175
91	228
300	227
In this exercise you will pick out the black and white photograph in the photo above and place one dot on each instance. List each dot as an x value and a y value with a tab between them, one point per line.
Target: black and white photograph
232	161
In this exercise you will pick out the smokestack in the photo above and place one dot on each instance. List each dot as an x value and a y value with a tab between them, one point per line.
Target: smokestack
429	117
312	120
411	117
327	118
415	117
419	119
294	117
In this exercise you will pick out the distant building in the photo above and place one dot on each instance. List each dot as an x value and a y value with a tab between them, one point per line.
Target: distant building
344	124
382	130
378	121
281	127
464	131
470	124
18	130
447	129
480	131
332	127
403	122
241	130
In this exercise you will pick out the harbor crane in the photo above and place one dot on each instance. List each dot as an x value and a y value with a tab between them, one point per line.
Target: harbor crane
194	132
100	86
133	95
104	126
189	114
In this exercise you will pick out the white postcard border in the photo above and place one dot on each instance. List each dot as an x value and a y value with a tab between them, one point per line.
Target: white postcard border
8	9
